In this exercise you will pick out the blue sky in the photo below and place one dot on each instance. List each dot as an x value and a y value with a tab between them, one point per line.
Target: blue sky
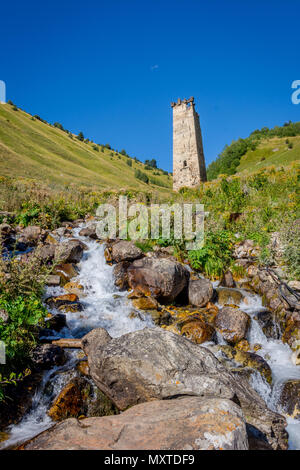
111	69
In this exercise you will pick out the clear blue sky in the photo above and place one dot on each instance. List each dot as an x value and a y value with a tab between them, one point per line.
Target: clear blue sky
111	68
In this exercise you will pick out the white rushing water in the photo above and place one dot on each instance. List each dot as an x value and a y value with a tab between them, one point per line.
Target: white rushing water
278	356
105	306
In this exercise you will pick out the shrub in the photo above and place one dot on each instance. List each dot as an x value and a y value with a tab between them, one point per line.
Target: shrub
80	136
129	162
141	176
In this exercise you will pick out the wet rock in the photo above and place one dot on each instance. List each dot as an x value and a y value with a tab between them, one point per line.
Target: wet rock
290	398
70	251
267	324
95	340
163	279
18	400
228	296
47	356
145	303
6	231
200	292
243	345
156	364
67	303
83	368
232	324
248	359
53	280
196	330
57	322
120	275
3	315
69	402
125	251
73	287
89	231
190	423
291	334
65	271
227	280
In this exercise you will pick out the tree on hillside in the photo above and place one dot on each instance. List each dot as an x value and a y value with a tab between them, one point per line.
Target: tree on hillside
80	136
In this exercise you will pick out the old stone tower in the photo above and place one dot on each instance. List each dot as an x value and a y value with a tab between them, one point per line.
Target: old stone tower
188	157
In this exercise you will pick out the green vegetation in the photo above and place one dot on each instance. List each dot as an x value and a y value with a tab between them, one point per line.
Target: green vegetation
32	148
262	148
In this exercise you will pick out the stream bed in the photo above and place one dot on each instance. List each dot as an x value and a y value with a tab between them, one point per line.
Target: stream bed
105	306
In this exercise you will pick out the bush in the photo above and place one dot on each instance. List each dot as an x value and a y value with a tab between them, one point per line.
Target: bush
96	148
80	136
129	162
141	176
215	256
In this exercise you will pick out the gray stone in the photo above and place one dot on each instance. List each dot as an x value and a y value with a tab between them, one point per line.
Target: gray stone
156	364
200	292
189	423
232	324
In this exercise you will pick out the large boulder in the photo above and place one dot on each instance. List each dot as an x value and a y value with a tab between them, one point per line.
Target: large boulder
228	296
124	250
232	324
200	292
161	278
189	423
70	251
156	364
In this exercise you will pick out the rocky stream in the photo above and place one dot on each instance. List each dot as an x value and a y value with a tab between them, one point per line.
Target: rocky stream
207	371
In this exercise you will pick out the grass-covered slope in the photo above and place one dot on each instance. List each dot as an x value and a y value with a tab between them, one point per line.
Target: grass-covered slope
263	148
35	149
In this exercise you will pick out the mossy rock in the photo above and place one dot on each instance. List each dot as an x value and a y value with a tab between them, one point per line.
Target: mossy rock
248	359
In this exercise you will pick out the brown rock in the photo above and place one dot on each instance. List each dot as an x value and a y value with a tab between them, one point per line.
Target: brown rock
83	368
53	280
161	278
89	231
70	251
228	296
232	324
227	280
145	303
125	251
69	402
65	271
191	423
290	398
120	274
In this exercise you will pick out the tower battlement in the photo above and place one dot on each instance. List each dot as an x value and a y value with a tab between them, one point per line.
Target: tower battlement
188	156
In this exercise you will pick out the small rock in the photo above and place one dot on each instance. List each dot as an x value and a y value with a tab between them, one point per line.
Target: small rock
53	280
200	292
65	271
68	343
4	315
228	296
89	231
290	398
57	322
47	356
145	303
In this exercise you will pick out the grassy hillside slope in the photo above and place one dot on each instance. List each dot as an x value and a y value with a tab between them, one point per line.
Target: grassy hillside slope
34	149
274	151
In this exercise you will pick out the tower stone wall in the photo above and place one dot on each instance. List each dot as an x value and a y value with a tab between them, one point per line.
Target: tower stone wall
188	156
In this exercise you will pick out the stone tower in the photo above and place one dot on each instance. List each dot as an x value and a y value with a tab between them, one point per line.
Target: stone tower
188	157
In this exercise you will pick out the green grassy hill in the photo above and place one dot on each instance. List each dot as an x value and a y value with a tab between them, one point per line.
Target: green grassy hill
274	151
263	148
31	148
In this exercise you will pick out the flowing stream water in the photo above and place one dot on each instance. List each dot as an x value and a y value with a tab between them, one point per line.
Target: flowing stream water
105	306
